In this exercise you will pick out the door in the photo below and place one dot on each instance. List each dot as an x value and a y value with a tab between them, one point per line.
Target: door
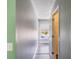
55	33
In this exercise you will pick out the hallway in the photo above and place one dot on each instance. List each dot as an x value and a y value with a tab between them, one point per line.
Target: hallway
33	22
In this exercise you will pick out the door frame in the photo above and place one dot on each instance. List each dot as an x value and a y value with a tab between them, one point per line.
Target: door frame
53	13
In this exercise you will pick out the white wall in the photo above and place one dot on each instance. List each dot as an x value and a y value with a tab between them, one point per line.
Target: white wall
44	25
65	28
26	30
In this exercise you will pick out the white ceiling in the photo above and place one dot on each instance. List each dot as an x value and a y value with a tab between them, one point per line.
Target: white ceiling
43	8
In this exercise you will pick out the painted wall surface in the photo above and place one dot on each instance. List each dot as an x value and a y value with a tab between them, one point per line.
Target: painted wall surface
26	30
65	29
11	29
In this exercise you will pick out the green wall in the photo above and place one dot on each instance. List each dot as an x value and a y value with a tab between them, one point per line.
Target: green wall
11	27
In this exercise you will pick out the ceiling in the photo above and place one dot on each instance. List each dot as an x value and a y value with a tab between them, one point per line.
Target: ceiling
43	8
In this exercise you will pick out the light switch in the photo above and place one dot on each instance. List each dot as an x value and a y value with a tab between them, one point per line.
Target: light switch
9	46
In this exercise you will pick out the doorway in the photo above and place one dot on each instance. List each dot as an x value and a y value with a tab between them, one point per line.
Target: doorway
55	33
43	41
